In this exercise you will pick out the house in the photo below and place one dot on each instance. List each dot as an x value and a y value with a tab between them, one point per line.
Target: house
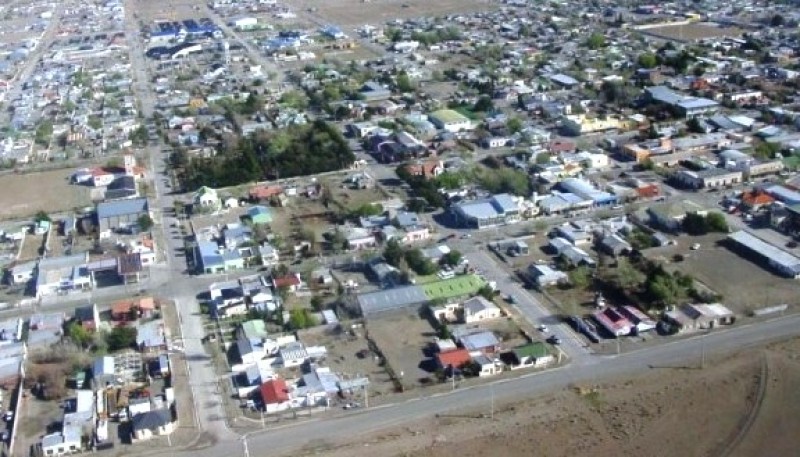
210	258
112	215
450	121
259	214
152	423
699	316
641	321
103	371
67	441
755	199
453	361
485	366
151	337
670	215
785	263
614	245
427	169
206	198
613	321
275	395
709	178
358	238
88	317
481	342
478	308
580	124
265	192
290	282
500	209
124	311
545	276
534	355
293	354
45	329
22	273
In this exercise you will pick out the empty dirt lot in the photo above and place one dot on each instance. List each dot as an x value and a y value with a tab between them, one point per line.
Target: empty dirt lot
692	32
353	13
403	337
745	284
49	191
741	405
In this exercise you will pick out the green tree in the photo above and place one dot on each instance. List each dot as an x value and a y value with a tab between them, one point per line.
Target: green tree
695	224
79	335
393	253
626	276
452	258
419	263
121	338
483	105
663	289
580	277
300	318
43	133
138	136
317	303
41	216
647	60
596	41
543	158
368	209
403	82
766	151
716	222
487	292
145	222
514	124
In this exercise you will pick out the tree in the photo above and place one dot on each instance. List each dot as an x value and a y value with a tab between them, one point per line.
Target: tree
79	335
695	224
716	222
580	277
596	41
647	60
44	132
487	292
145	222
514	124
368	209
41	216
663	288
543	158
627	277
693	124
452	258
777	21
121	338
403	82
393	253
300	318
317	303
484	104
419	263
765	150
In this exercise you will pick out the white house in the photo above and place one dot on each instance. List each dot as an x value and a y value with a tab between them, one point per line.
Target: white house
152	423
206	197
478	308
68	441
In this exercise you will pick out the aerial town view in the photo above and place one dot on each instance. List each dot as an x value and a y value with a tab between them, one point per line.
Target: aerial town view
399	228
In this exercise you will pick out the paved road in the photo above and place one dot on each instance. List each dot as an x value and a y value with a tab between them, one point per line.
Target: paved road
530	308
348	426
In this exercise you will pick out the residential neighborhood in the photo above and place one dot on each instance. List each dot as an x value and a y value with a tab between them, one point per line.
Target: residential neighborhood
224	218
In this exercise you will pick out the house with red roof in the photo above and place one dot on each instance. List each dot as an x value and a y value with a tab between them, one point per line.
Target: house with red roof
755	199
453	359
428	170
265	192
613	321
291	282
275	395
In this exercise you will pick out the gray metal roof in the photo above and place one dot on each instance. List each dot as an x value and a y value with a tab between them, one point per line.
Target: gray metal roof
786	261
121	208
391	299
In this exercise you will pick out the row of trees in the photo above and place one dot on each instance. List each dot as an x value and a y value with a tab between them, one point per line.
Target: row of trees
296	151
117	339
697	224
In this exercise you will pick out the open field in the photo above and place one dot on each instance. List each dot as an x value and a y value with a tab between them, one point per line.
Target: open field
353	13
49	191
744	284
692	32
743	404
403	337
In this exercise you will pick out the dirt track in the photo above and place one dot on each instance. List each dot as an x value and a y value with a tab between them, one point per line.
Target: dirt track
740	405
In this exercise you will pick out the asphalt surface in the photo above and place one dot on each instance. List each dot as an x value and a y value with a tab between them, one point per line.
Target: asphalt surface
348	426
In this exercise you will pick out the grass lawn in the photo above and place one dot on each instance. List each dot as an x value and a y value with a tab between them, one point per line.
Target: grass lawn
454	287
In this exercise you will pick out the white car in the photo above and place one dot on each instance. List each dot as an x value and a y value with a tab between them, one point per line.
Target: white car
695	246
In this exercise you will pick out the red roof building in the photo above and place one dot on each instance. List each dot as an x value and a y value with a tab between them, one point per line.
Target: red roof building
265	192
289	281
427	170
456	358
274	392
755	199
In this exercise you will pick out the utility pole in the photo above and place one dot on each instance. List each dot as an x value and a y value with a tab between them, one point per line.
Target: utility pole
491	388
366	397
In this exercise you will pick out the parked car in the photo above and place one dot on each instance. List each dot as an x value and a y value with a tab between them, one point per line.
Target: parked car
554	340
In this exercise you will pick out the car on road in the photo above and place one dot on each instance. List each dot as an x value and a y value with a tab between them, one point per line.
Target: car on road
695	246
352	405
791	244
8	416
554	340
543	328
511	299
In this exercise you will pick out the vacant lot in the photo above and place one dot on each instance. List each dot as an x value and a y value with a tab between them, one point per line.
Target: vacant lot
692	32
403	337
730	408
345	357
744	284
49	191
353	13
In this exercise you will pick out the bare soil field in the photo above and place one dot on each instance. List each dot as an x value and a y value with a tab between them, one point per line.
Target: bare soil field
353	13
403	338
692	32
744	284
742	404
25	194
